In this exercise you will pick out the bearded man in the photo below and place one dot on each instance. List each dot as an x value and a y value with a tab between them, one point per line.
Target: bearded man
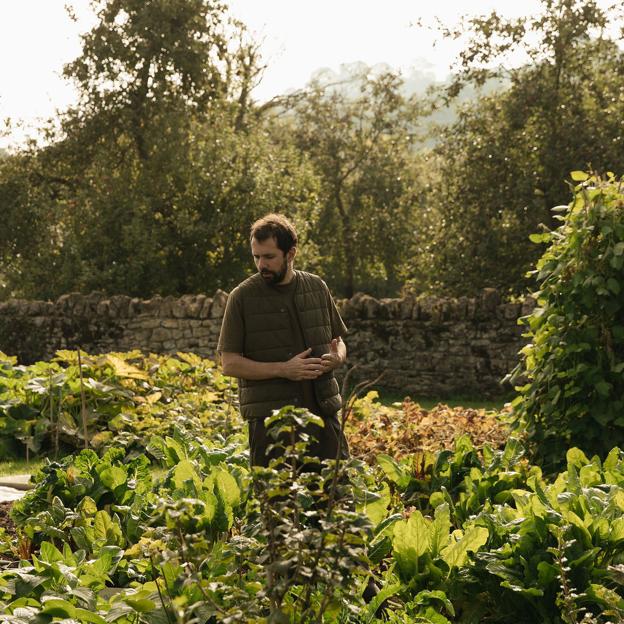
282	338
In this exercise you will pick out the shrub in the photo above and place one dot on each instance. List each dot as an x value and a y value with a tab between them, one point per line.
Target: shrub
574	364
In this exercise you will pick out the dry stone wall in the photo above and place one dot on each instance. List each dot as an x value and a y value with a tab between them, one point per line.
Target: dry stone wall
428	346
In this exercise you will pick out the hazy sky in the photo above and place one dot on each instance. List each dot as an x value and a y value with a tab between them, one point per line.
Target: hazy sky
299	36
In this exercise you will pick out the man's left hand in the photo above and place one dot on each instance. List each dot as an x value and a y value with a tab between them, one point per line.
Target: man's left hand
331	360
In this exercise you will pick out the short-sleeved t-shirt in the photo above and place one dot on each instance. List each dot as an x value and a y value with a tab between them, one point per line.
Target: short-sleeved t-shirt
232	339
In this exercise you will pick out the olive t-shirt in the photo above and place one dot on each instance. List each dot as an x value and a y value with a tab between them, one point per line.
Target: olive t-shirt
232	337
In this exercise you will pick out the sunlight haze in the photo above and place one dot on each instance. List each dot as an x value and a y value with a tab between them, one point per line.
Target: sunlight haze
37	37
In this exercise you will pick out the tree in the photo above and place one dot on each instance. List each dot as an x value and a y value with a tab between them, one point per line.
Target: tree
361	149
150	181
505	162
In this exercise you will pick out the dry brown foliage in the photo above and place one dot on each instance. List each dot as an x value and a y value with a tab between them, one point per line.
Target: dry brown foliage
407	428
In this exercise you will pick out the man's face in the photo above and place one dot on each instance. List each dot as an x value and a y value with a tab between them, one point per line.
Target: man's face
270	260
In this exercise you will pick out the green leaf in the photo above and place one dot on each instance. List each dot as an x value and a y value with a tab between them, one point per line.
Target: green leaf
426	597
228	487
579	176
140	602
184	473
50	553
603	388
113	477
440	529
410	541
386	592
393	470
376	509
545	237
456	554
84	615
57	607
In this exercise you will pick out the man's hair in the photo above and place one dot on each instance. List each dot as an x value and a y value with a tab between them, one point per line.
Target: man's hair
275	226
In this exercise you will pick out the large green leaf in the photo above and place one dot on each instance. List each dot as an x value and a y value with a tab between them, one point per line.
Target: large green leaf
227	486
185	473
440	529
456	553
410	541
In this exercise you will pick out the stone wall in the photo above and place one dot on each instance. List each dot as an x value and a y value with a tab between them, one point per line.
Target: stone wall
428	346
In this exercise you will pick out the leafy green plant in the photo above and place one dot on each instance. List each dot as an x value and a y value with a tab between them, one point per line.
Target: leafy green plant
314	537
125	398
573	368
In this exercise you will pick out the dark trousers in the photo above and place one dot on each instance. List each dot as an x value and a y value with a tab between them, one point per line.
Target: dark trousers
324	444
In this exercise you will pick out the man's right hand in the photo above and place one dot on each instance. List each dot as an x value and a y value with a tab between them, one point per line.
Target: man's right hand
302	367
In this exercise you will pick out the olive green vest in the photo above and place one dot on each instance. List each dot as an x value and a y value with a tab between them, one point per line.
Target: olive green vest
269	337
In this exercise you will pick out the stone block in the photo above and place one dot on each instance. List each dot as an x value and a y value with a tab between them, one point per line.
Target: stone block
119	306
406	307
471	308
218	304
134	307
166	306
65	303
103	308
170	323
160	334
391	308
510	311
488	301
347	309
195	305
528	305
151	306
178	308
370	308
204	313
457	309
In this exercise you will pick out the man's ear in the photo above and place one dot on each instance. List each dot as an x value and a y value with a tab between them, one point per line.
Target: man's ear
290	256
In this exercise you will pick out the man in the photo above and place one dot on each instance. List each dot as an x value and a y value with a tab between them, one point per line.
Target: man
282	338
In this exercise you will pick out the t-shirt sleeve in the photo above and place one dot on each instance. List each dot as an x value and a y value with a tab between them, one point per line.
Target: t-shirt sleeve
232	336
337	324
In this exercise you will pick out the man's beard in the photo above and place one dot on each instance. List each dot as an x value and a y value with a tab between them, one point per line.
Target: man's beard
275	277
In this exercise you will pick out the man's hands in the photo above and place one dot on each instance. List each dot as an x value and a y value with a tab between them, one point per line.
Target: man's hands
302	367
297	368
334	358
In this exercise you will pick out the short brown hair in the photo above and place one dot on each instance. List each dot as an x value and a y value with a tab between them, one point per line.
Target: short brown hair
275	226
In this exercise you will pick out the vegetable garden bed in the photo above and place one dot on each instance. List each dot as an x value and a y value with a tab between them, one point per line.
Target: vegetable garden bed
164	508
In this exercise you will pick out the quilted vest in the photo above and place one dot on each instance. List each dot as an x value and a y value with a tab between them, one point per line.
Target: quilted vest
269	337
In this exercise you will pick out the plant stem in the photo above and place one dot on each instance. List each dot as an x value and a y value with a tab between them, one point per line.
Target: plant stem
83	407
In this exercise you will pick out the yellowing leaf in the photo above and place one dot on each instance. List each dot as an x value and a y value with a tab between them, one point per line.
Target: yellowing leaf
123	369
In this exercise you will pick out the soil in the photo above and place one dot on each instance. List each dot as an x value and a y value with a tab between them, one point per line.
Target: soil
5	520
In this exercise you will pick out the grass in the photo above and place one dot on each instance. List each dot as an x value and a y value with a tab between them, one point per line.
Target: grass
388	397
19	466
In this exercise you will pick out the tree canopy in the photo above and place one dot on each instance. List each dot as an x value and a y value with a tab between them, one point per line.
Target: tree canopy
149	183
